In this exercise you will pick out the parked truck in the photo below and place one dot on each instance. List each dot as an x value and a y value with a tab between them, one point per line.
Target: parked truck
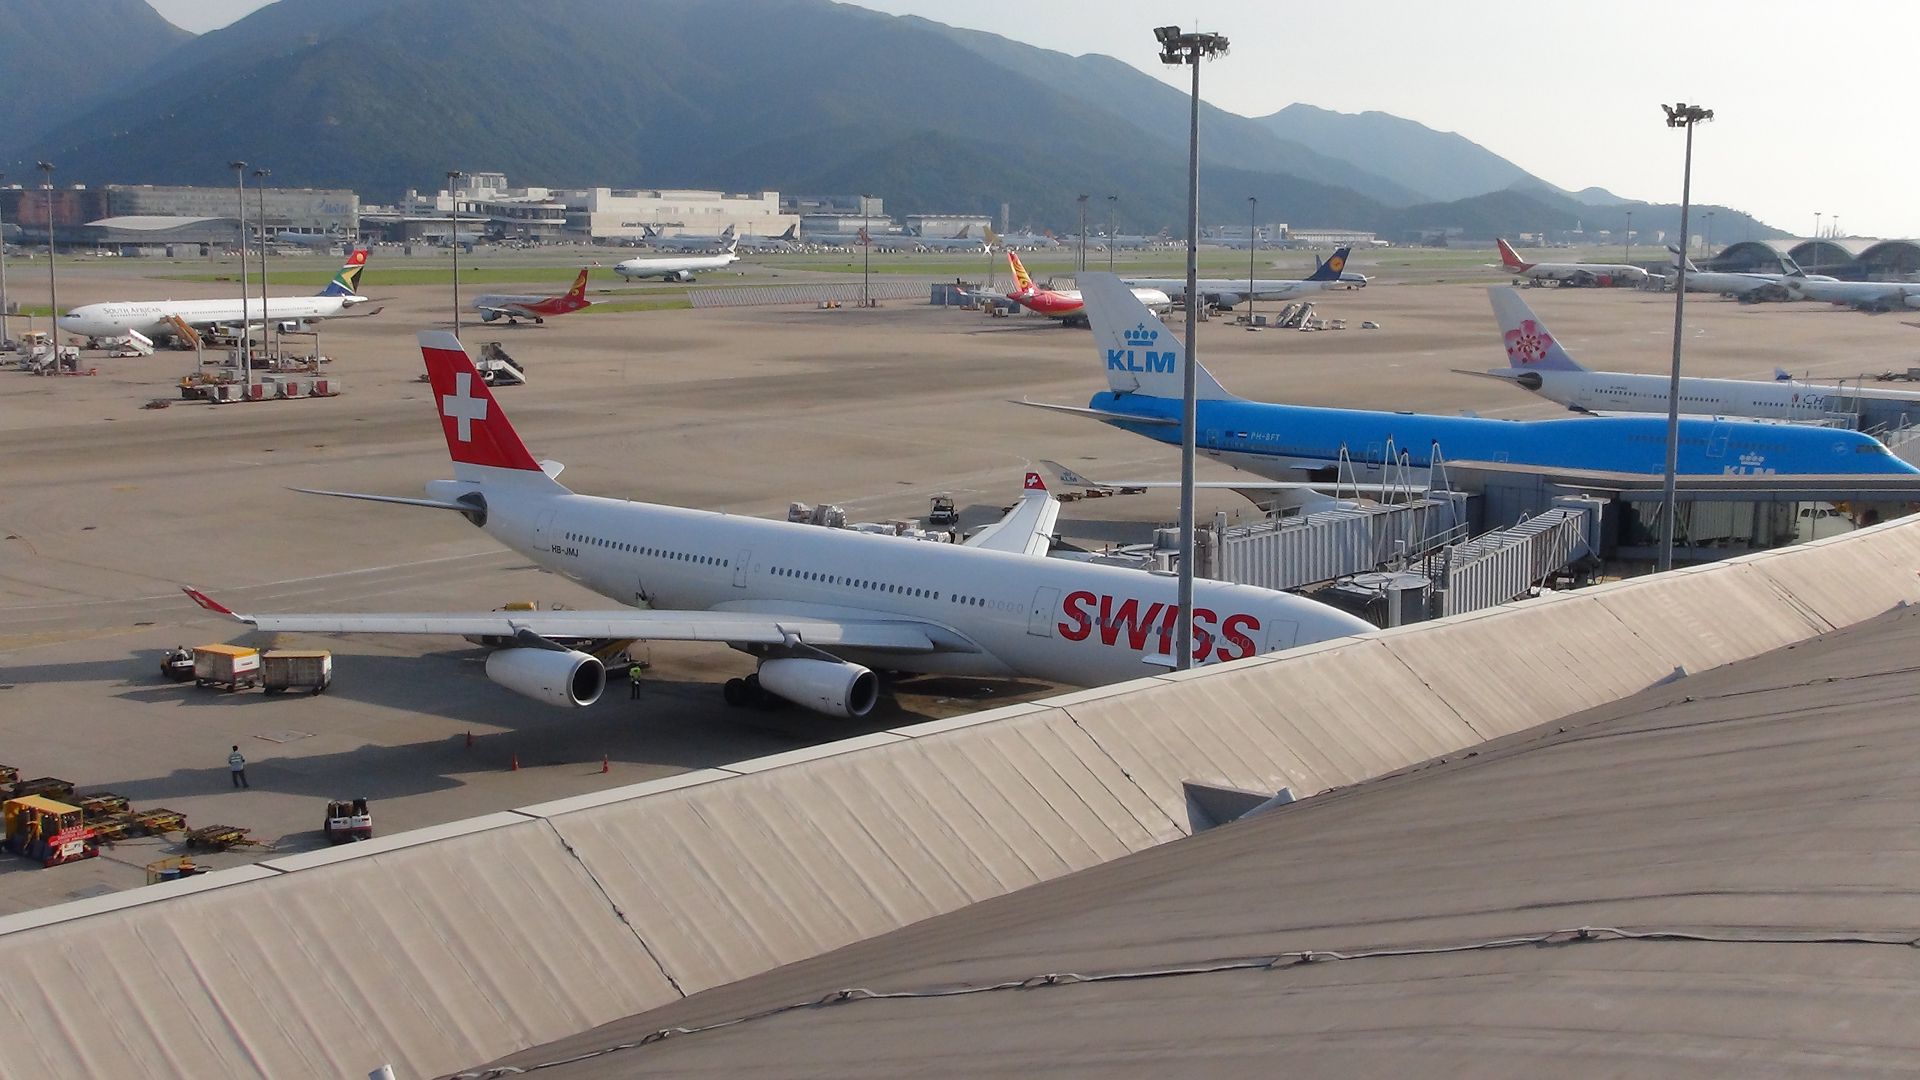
47	831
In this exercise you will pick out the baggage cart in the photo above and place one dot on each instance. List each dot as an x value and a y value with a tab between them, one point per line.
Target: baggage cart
348	820
296	669
231	667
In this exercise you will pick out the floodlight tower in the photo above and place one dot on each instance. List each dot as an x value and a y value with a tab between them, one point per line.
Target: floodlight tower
1678	116
1182	48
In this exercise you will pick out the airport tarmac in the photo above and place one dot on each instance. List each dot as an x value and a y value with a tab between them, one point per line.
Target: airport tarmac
108	508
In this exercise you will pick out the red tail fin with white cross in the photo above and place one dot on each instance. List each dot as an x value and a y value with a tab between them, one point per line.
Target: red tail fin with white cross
477	431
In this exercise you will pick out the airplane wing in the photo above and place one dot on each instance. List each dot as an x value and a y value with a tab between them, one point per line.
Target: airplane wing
730	627
1102	414
490	309
1074	479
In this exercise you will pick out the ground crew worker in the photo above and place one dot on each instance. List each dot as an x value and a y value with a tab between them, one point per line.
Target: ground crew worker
634	672
237	765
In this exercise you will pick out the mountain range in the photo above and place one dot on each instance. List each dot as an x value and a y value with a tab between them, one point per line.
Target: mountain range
802	96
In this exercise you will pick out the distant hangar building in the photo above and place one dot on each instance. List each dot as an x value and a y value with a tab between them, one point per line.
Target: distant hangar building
488	206
315	211
1847	258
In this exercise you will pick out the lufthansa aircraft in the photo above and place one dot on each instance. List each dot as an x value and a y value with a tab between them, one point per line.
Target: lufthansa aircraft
1225	293
819	607
1142	361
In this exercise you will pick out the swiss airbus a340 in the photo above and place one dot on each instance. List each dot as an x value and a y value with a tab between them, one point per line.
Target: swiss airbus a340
820	608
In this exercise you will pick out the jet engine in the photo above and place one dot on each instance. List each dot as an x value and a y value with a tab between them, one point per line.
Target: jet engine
551	676
489	315
682	275
834	687
1225	301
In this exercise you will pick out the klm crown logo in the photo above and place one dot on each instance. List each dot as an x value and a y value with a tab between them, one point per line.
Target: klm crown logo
1139	356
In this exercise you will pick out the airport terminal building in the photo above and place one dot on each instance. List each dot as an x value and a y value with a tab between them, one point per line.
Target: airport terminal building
488	206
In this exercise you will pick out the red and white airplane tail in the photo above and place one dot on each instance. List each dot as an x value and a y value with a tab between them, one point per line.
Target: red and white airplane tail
1023	283
1510	258
579	290
481	441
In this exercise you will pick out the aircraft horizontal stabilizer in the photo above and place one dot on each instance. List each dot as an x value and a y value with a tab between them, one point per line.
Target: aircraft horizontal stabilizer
1102	414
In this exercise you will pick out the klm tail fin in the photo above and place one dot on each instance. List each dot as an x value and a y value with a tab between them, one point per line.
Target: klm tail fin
1332	268
1020	278
1138	352
347	281
1529	346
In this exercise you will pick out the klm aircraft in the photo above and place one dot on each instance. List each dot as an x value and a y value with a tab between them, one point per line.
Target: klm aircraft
1142	359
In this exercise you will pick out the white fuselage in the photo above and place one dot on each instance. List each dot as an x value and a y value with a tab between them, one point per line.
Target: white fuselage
998	613
149	317
1870	294
1277	289
673	266
1617	391
1582	272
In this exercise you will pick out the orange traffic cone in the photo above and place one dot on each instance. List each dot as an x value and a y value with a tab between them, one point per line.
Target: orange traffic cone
606	766
515	767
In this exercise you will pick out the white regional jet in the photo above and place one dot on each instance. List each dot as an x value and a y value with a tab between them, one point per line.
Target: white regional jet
1748	286
819	607
1537	362
153	318
675	267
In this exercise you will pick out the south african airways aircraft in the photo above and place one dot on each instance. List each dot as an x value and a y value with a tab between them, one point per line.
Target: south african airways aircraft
819	608
1142	359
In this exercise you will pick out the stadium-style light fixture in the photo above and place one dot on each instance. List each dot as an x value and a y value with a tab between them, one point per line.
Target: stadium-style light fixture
246	315
53	286
453	200
1685	116
1182	48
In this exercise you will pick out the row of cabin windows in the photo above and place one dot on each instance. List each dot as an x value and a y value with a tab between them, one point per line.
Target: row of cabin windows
876	586
651	552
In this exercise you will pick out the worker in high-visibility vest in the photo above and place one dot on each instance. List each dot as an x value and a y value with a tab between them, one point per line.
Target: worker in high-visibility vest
237	765
635	671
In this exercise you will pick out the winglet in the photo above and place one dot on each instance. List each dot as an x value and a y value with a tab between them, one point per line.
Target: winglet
208	602
1034	483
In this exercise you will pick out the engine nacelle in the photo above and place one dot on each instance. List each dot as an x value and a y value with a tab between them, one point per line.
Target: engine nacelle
550	676
834	687
489	315
1225	301
682	275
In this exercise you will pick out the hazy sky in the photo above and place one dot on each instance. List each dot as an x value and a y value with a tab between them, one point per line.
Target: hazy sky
1810	112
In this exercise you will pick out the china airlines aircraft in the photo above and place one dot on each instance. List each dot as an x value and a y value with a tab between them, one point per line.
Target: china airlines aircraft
820	608
153	317
1537	362
538	308
1065	304
1569	273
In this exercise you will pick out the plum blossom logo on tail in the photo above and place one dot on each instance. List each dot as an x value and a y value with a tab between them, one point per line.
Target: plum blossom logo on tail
1528	344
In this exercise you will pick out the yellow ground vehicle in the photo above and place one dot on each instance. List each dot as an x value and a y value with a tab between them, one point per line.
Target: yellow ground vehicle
47	831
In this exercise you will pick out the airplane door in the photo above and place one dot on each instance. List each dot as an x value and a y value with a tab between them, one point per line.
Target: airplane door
1717	441
1213	439
1040	615
543	529
1282	635
741	560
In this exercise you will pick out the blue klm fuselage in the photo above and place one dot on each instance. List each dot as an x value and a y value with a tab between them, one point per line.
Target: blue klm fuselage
1278	440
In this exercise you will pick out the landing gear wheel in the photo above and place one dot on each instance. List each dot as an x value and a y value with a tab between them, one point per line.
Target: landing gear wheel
734	692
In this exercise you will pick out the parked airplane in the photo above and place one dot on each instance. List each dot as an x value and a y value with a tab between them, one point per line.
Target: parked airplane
1875	296
1065	304
1224	293
1142	361
1569	273
1029	240
959	241
786	241
674	267
1537	362
321	241
114	318
1747	285
538	308
690	241
819	607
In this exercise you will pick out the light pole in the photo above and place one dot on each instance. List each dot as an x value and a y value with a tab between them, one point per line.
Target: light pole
1707	251
246	313
1083	234
1111	201
53	284
4	309
866	251
1680	116
260	198
1179	48
1816	243
1629	236
1253	207
453	202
